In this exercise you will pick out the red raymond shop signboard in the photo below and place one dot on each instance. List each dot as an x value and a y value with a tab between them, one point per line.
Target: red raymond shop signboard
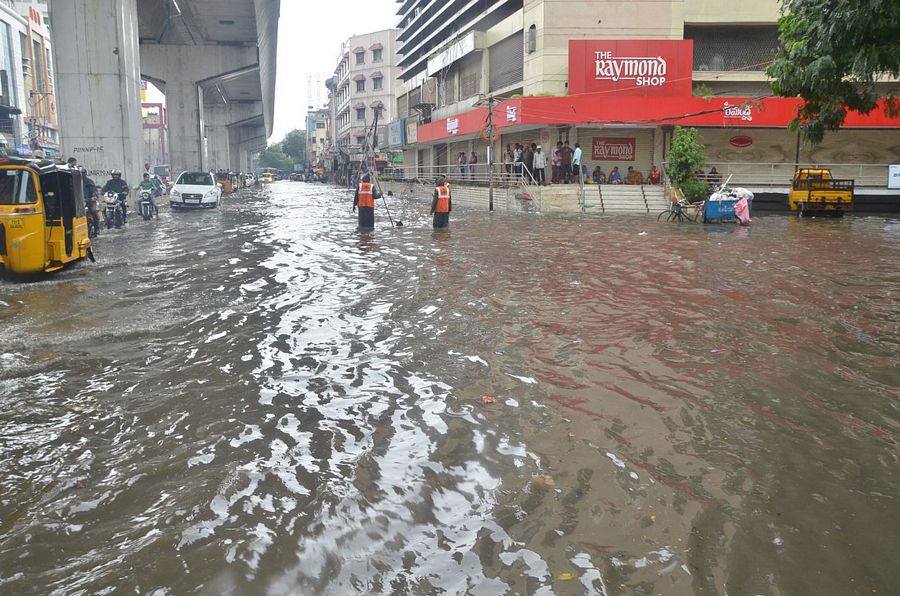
649	67
613	149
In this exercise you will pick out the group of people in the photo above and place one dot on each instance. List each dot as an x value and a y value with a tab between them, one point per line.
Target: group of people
632	176
367	193
467	165
530	161
118	186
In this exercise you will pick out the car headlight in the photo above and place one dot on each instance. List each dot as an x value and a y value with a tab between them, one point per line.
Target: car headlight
176	194
211	193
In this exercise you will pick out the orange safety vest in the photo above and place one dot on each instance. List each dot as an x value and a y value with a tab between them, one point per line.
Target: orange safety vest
443	200
366	195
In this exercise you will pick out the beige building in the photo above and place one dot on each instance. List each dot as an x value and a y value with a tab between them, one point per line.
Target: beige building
364	81
41	116
317	136
454	54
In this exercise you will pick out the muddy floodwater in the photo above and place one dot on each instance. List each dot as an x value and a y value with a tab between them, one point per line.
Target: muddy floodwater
263	400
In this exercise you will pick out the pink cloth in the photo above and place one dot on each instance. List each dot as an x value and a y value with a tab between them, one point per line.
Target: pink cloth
742	211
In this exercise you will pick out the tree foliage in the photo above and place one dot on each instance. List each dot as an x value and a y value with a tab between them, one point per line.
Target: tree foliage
686	155
274	157
294	145
832	53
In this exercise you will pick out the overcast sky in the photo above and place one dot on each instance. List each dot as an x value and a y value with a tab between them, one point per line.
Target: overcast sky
309	42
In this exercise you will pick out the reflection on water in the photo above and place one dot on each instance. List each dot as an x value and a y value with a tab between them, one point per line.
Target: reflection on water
262	399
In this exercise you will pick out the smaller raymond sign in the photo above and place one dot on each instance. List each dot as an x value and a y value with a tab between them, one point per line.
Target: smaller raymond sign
613	149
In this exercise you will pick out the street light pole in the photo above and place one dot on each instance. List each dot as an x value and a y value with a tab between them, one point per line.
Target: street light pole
490	152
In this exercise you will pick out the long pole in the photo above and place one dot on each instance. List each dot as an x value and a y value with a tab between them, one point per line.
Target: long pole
490	152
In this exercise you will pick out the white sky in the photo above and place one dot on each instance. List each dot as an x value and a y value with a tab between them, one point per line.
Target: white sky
309	42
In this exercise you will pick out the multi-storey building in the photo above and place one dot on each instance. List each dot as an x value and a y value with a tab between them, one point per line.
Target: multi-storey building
317	136
41	116
363	83
614	76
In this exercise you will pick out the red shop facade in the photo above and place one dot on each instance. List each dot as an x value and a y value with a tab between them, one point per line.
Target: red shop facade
624	99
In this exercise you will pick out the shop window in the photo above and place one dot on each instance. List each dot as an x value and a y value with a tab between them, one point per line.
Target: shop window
360	85
532	39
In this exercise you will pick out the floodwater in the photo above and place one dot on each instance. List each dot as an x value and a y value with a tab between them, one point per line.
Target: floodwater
263	400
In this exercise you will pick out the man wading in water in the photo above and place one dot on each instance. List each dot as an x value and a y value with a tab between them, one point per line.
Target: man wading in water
442	204
365	197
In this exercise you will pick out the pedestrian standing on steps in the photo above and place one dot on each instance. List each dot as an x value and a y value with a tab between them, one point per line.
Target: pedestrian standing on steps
366	194
441	204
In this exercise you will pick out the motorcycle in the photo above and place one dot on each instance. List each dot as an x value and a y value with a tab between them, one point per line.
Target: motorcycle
145	205
112	210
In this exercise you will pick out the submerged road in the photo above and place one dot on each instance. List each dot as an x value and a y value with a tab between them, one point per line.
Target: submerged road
261	399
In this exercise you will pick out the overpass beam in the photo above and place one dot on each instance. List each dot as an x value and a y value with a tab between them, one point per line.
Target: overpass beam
97	63
187	71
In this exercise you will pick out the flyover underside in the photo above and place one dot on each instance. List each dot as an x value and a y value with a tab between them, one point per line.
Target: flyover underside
213	59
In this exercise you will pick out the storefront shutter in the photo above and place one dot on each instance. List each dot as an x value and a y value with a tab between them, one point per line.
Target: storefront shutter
507	60
470	76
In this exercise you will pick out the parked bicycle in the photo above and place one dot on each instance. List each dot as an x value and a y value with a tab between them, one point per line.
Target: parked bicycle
680	212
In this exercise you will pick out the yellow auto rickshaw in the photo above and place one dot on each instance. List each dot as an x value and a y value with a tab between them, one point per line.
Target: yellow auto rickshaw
224	179
43	225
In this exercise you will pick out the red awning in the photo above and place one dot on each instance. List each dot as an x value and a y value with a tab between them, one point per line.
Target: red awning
590	109
359	77
358	49
376	46
376	75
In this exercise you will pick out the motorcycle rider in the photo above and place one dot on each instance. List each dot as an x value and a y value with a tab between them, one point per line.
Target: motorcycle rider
147	184
120	187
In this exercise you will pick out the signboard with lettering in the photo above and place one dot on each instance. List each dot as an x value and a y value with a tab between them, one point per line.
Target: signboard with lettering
652	67
613	149
396	133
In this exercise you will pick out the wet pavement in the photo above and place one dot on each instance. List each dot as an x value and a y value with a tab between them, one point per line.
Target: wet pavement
261	399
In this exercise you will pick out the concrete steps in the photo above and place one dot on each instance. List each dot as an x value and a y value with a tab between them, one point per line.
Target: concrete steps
606	199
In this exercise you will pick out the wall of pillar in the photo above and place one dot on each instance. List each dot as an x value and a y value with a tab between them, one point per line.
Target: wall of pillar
97	60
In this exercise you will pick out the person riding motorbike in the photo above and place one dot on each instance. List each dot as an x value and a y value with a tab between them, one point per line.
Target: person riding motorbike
120	187
147	184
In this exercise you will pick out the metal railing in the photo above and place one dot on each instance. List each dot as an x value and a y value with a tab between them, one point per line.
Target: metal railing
781	174
475	174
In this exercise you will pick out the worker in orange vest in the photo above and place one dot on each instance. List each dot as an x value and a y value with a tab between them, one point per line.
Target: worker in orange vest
442	204
366	195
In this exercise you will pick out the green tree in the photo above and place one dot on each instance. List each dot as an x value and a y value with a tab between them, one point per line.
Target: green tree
294	145
686	155
274	157
832	52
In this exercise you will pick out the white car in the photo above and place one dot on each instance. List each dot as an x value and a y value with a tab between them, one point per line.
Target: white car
195	189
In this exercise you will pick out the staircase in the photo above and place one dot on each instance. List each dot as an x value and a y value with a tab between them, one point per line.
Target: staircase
622	198
604	199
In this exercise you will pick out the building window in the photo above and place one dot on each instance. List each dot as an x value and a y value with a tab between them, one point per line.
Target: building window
376	55
360	141
360	58
360	85
728	47
532	39
378	83
320	125
360	113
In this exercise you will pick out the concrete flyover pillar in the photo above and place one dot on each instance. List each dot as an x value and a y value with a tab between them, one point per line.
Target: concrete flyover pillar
186	72
95	48
222	124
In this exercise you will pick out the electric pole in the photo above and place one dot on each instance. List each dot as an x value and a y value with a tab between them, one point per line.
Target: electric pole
490	152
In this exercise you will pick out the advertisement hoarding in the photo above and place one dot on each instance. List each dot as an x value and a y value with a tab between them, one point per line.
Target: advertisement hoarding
648	67
613	149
